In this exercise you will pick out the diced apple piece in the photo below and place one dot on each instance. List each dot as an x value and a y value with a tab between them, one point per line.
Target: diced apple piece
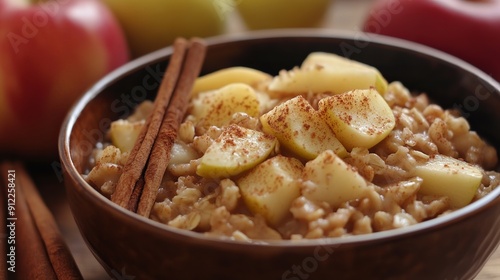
328	178
237	149
301	129
359	118
226	76
270	188
447	176
182	153
123	134
328	73
333	60
216	108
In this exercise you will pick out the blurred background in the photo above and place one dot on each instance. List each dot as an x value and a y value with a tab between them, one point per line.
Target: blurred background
57	49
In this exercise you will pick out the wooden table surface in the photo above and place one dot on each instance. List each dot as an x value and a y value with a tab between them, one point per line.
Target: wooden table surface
344	14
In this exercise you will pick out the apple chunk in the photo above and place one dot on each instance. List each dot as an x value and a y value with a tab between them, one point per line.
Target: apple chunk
301	129
123	134
328	178
217	107
226	76
328	73
237	149
359	118
270	188
447	176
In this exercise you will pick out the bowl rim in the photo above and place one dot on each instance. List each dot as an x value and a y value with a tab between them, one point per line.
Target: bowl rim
159	55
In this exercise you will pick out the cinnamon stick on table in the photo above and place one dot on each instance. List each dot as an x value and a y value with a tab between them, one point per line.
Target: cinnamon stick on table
160	155
3	228
41	252
139	155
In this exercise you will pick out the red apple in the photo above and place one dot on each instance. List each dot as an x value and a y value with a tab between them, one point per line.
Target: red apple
50	53
468	29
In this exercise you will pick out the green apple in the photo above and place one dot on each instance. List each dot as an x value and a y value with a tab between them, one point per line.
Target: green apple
153	24
266	14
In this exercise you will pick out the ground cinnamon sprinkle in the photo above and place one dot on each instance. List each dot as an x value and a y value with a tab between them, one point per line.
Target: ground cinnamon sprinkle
216	205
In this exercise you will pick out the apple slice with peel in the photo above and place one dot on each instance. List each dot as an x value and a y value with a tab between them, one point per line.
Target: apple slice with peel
447	176
123	134
359	118
218	106
328	178
237	149
226	76
327	73
270	188
330	60
301	129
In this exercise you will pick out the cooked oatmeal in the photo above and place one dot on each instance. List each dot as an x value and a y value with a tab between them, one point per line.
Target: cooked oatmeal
233	174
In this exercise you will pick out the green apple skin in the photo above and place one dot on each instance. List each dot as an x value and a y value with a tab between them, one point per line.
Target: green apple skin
150	25
269	14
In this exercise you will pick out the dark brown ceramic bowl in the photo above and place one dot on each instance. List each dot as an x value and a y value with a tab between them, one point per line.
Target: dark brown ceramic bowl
455	246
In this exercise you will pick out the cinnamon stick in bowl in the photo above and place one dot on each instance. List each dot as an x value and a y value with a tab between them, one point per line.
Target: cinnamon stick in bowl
140	153
160	155
137	187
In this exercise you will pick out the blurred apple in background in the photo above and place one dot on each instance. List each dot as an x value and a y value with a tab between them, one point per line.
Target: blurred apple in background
50	53
268	14
153	24
468	29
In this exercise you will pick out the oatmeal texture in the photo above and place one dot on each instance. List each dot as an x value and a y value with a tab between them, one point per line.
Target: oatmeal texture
214	206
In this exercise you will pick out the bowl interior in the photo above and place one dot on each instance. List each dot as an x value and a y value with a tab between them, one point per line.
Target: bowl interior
447	80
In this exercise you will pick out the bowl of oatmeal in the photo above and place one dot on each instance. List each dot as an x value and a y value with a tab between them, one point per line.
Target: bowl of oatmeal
298	154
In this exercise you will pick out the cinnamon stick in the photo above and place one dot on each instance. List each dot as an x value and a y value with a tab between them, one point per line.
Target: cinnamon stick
136	195
58	252
139	155
160	155
31	259
3	229
39	249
